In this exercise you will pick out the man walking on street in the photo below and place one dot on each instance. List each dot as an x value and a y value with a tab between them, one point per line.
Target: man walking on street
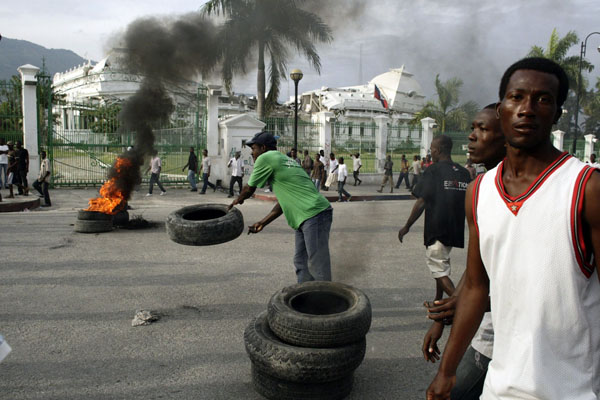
342	176
41	184
416	169
403	173
192	166
304	208
237	172
441	194
155	168
318	172
486	146
388	174
356	166
206	173
534	231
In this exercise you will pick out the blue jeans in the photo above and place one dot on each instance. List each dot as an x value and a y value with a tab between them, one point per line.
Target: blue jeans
154	179
317	183
207	183
42	188
192	179
312	259
403	176
341	190
470	376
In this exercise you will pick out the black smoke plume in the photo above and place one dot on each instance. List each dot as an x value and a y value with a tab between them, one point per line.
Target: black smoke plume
164	52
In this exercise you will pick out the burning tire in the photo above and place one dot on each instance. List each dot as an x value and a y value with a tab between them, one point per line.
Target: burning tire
320	314
84	215
91	226
121	218
204	224
290	363
277	389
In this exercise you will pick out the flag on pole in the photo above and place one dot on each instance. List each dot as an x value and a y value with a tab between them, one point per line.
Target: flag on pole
379	96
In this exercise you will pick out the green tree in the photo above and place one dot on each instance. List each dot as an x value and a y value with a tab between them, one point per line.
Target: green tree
255	28
591	109
557	50
447	110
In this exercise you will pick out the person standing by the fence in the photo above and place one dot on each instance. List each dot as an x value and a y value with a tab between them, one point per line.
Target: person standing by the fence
342	175
237	172
356	166
22	169
332	177
307	163
12	169
318	172
3	164
388	174
206	173
155	168
416	168
192	166
41	185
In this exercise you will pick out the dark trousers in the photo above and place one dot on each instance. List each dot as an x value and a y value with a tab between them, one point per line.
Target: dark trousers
414	182
232	182
154	179
207	183
42	188
470	375
342	191
355	174
403	175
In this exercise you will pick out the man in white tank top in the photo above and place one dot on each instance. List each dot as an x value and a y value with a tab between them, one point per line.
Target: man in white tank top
534	226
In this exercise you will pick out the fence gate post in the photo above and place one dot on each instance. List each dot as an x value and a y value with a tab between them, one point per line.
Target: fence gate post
380	141
325	121
30	135
427	135
212	124
558	136
589	146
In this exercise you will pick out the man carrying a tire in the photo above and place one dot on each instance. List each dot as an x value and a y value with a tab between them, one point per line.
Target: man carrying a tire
306	210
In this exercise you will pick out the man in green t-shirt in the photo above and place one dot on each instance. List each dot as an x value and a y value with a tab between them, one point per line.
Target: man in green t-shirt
304	208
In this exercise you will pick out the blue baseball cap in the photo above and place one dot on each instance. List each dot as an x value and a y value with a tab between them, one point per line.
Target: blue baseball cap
263	138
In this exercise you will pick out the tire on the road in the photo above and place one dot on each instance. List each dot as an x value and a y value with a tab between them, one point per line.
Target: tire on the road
93	216
84	226
121	218
319	314
204	224
298	364
277	389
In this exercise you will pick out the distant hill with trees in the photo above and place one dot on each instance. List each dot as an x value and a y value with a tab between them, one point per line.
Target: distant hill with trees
15	52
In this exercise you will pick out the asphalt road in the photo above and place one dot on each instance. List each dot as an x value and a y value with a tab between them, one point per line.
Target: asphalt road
67	300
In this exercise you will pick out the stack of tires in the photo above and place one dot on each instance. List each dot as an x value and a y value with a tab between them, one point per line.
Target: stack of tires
93	222
309	341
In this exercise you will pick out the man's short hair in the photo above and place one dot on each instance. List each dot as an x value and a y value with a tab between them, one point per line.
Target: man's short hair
445	144
542	65
491	106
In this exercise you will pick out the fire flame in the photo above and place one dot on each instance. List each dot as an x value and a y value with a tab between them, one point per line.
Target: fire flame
111	196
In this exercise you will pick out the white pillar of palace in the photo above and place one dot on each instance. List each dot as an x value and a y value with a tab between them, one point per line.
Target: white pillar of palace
381	141
426	135
30	124
558	137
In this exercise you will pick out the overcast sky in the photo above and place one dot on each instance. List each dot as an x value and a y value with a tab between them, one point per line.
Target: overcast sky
472	40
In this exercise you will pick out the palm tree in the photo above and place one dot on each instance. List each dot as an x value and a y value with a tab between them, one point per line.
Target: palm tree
271	27
556	51
447	111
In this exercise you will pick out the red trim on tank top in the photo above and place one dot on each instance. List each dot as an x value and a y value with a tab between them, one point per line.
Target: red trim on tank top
585	257
514	203
475	201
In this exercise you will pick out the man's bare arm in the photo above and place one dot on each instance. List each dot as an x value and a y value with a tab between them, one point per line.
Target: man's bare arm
416	212
274	214
472	303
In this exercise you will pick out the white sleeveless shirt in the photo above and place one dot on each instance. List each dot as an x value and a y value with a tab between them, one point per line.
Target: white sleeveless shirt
544	289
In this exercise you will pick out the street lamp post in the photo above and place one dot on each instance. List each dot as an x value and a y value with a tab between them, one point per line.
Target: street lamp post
581	55
296	75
